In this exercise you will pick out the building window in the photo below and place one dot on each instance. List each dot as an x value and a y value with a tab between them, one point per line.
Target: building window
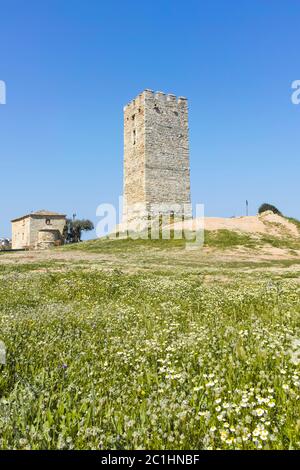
134	137
48	222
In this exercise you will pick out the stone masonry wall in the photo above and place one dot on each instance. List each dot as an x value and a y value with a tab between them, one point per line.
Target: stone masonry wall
134	151
38	223
156	155
20	234
25	231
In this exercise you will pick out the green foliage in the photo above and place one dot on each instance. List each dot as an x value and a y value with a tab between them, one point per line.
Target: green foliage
141	361
219	239
124	245
294	221
227	239
74	228
268	207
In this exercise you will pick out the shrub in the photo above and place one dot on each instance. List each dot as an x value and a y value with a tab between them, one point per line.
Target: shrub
269	207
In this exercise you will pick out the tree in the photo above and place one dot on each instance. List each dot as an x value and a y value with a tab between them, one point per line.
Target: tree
269	207
74	228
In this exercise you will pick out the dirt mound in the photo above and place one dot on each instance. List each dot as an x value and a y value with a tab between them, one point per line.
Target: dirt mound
266	223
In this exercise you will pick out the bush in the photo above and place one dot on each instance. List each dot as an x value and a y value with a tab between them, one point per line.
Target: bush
268	207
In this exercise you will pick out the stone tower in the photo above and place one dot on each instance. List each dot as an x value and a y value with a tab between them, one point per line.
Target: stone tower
156	157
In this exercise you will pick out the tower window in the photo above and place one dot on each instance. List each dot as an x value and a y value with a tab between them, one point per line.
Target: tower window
134	137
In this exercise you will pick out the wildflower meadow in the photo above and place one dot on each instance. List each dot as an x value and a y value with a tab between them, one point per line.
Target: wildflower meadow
110	359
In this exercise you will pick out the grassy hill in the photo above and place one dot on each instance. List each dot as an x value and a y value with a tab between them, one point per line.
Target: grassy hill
143	344
275	231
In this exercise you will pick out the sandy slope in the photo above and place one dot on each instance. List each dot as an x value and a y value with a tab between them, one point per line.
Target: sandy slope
267	223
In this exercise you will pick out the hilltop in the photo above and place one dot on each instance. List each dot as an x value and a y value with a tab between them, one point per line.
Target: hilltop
251	241
266	223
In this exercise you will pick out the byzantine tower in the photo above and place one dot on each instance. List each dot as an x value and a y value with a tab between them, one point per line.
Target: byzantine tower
156	157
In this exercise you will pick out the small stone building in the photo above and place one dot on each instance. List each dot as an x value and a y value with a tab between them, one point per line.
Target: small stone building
38	230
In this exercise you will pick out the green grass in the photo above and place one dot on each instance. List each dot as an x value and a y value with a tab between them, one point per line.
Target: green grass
289	243
295	222
227	239
25	267
122	245
219	239
108	360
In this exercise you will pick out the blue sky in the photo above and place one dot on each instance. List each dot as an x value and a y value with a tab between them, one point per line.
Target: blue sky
70	66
